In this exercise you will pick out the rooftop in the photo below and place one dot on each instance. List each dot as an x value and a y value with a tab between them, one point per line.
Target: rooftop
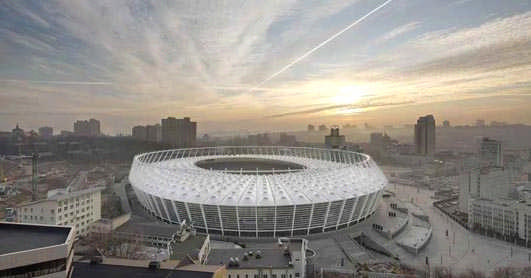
59	194
190	246
82	270
21	237
270	258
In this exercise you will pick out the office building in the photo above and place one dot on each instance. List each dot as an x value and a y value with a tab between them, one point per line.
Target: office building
62	207
490	153
139	132
46	132
30	250
153	133
150	133
425	135
486	183
178	132
508	219
287	140
87	128
334	140
17	135
446	123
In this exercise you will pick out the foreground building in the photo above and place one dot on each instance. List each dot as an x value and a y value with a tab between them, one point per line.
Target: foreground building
258	191
287	260
62	207
29	250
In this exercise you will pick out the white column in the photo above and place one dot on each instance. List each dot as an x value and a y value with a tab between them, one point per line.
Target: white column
353	209
293	219
220	221
363	207
238	220
311	216
340	214
176	212
204	218
326	215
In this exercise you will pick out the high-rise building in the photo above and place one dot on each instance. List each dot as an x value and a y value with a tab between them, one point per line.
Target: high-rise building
334	140
17	134
480	123
87	128
486	183
446	123
322	128
153	133
46	132
287	140
425	135
178	132
139	132
490	153
311	128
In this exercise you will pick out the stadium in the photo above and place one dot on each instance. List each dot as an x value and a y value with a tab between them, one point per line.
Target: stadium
258	192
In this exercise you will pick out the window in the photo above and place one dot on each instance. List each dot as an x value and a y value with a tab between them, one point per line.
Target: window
52	211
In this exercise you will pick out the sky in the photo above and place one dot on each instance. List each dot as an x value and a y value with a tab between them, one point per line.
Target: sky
255	65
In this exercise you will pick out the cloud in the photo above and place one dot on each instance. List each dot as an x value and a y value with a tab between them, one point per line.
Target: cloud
143	60
396	32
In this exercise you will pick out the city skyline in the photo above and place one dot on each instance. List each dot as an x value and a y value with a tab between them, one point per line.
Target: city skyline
130	63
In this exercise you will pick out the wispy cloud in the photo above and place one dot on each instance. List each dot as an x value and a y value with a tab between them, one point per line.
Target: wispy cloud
398	31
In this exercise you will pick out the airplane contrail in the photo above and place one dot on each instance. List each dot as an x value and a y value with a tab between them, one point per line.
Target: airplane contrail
308	53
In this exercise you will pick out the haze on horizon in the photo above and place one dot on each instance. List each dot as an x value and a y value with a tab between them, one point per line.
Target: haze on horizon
130	62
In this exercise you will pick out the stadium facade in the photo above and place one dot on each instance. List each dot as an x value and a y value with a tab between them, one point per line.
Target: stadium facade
258	191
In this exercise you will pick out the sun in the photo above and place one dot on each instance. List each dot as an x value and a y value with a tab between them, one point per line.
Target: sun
348	95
